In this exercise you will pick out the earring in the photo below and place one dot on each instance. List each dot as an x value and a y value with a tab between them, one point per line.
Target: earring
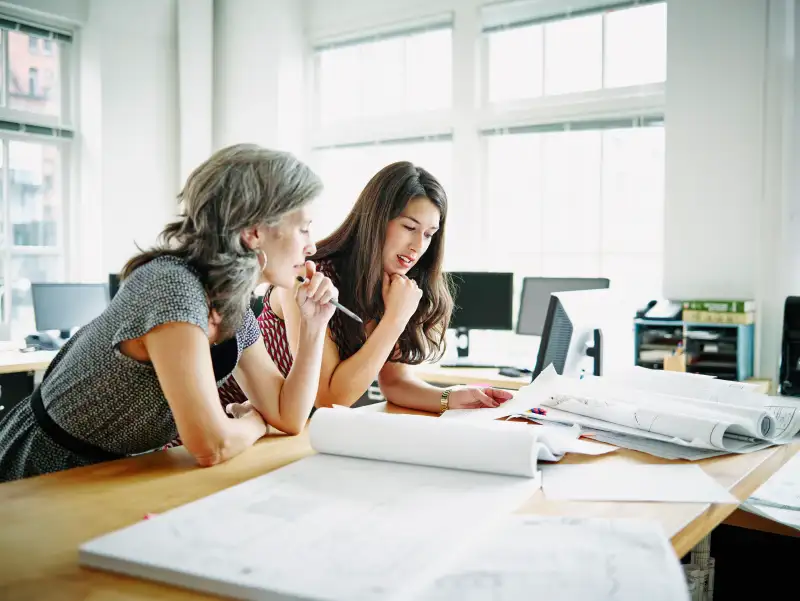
262	258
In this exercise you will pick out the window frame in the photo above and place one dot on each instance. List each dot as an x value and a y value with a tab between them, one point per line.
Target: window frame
383	128
36	128
645	103
471	115
603	103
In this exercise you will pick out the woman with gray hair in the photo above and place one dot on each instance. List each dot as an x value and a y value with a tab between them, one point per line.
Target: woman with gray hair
148	368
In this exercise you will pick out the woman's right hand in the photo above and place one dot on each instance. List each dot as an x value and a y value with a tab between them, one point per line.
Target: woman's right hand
401	297
314	296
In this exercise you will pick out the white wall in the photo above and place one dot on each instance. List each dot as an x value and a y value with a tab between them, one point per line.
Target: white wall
135	177
714	146
730	92
196	82
258	66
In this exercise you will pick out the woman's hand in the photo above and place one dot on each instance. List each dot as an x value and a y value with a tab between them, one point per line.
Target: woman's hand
314	296
464	397
401	297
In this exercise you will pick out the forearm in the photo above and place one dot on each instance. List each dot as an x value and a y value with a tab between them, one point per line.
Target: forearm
412	393
300	388
353	376
235	436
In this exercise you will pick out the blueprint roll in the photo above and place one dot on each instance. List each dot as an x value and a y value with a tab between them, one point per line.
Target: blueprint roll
507	448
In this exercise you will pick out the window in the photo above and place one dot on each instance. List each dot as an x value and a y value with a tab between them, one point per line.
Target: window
393	74
27	92
33	81
558	164
586	202
550	56
567	150
34	166
345	172
364	88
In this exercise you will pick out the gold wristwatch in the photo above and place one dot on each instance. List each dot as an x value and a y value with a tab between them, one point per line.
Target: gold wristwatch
445	402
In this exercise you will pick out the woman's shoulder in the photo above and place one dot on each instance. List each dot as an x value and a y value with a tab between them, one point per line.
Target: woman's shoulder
164	280
165	270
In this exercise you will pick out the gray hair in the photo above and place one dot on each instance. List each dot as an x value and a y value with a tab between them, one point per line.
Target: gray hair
238	187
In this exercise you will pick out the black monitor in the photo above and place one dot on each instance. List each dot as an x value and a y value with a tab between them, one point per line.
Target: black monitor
482	301
63	307
570	333
113	285
536	299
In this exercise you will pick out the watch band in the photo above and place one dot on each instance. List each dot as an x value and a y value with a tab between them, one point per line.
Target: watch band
444	401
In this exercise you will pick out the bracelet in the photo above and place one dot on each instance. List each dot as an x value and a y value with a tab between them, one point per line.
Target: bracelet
445	403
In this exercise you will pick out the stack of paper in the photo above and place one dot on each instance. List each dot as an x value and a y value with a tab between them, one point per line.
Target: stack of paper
672	415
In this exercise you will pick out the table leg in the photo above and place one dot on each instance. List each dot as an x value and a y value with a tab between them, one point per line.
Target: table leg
701	570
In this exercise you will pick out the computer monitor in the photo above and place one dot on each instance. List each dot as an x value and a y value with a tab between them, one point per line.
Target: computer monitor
113	285
536	299
572	332
482	301
63	307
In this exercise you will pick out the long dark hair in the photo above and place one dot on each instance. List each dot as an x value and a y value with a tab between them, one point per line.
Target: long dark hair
356	251
238	187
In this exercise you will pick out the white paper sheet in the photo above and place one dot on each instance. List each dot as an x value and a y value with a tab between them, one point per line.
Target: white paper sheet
787	415
495	447
787	517
564	559
325	528
625	482
782	490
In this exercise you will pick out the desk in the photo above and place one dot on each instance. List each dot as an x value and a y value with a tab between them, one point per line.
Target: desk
17	375
450	376
16	361
45	519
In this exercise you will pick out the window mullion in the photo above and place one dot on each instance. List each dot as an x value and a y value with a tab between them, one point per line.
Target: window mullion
7	236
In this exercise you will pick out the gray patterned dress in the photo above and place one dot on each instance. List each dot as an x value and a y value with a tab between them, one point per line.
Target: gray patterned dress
98	395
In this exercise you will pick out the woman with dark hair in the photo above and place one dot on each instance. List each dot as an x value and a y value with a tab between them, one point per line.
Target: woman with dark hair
148	368
386	261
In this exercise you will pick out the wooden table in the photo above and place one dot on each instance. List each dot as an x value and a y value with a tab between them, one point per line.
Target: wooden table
17	361
45	519
448	376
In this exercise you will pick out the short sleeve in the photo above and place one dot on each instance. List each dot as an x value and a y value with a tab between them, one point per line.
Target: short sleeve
162	291
249	333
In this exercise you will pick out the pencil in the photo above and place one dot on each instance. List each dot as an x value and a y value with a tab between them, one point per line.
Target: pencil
341	308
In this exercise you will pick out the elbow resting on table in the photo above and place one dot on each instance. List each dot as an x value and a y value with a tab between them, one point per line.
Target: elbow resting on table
292	429
208	460
208	453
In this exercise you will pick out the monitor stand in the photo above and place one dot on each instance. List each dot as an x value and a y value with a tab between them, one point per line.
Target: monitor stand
462	343
596	352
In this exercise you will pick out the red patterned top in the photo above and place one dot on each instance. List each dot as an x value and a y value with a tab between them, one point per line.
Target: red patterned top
273	331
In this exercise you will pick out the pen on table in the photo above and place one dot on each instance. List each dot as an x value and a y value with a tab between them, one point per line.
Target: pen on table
344	310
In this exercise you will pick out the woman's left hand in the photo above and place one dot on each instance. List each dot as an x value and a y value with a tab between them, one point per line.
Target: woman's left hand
465	397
